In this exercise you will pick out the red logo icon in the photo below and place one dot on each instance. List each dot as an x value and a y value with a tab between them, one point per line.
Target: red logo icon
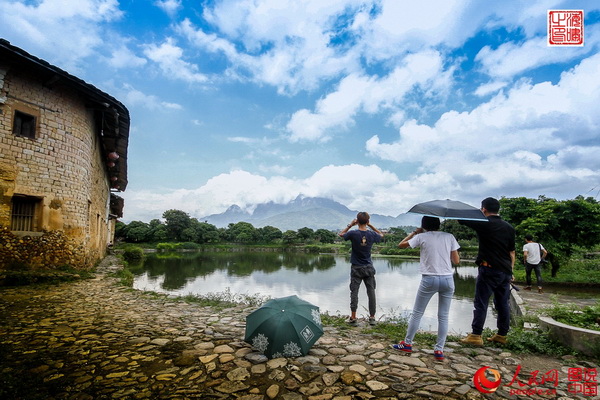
483	384
565	27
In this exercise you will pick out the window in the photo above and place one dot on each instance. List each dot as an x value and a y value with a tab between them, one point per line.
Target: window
24	125
24	213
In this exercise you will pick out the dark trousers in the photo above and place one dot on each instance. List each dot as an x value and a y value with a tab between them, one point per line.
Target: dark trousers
359	274
492	281
538	273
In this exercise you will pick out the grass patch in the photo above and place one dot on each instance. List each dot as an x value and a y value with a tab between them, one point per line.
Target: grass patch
572	314
125	277
226	299
520	340
534	341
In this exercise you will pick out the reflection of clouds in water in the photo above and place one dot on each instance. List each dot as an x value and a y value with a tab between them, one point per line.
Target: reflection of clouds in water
329	289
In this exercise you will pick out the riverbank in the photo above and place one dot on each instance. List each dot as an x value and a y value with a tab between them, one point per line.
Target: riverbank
94	339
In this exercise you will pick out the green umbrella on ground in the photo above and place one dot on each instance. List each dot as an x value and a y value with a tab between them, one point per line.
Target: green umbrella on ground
284	327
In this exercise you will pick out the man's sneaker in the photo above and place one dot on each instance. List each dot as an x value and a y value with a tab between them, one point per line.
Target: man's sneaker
474	340
497	338
540	290
372	321
407	348
439	355
527	288
352	321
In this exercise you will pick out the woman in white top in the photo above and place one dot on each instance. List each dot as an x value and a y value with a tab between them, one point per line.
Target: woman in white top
439	250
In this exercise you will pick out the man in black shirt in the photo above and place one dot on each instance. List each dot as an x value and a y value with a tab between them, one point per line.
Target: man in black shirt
362	269
496	260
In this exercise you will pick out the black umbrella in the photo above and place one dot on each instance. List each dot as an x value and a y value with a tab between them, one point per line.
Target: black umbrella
448	209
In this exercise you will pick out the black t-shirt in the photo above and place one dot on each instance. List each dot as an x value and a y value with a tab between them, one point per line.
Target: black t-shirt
496	241
362	241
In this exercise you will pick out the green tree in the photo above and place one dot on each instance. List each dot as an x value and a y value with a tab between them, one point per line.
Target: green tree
207	233
137	231
459	231
158	231
305	234
289	237
269	234
242	232
394	236
120	230
559	225
176	221
325	236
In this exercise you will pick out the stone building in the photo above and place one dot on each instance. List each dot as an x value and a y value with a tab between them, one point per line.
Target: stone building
63	158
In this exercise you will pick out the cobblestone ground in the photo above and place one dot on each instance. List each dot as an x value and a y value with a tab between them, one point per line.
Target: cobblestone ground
94	339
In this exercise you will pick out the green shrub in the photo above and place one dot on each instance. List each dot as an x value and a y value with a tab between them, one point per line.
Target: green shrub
125	277
189	245
395	251
571	314
314	249
166	246
133	254
535	341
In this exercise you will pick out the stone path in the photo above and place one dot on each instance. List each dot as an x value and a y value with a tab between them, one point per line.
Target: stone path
94	339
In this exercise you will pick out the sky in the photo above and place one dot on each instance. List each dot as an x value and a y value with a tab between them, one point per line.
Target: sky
378	104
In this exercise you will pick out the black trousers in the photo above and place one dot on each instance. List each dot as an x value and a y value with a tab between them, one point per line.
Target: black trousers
538	273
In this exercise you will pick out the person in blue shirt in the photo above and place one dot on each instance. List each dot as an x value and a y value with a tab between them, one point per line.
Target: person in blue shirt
362	269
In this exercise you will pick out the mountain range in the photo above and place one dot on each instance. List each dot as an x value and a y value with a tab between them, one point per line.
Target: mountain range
310	212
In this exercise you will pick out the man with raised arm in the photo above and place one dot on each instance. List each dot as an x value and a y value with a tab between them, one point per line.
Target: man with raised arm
362	269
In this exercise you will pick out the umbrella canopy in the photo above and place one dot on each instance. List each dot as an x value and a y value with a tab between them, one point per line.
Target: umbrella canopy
284	327
449	209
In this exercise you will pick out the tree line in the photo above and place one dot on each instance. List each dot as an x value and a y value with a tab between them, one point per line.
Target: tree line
561	226
178	226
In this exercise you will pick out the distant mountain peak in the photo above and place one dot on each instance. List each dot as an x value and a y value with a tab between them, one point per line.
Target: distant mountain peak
235	209
303	211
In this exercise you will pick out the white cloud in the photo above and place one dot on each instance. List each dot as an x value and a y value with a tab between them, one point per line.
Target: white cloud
65	32
168	6
134	97
357	93
169	58
511	59
501	145
122	57
412	26
489	88
298	58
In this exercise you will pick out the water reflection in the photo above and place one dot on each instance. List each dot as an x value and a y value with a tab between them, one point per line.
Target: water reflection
320	279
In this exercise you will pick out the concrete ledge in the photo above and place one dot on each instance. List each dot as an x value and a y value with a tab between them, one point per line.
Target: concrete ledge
517	305
586	341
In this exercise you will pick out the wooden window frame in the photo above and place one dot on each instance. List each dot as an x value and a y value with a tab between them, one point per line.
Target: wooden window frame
25	123
25	213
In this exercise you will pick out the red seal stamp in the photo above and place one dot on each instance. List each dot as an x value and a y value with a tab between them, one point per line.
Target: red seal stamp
565	27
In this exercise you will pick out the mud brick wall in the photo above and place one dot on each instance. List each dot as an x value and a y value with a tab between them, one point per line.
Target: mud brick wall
62	166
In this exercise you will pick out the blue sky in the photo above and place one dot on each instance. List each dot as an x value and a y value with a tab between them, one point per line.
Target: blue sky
376	104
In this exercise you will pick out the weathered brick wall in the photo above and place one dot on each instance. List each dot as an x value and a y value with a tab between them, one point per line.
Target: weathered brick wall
63	164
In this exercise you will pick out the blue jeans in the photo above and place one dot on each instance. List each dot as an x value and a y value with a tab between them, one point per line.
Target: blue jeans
492	281
443	285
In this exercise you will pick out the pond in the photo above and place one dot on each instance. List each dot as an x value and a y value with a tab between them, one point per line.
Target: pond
320	279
